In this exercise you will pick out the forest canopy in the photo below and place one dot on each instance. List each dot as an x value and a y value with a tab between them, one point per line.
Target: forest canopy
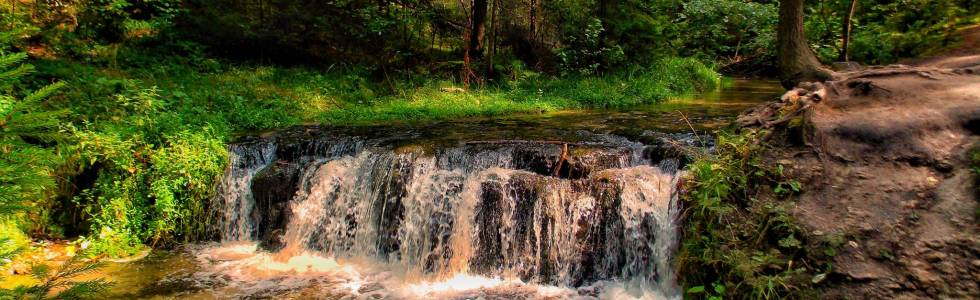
567	36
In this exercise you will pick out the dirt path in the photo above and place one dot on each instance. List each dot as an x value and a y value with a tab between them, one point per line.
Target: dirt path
884	161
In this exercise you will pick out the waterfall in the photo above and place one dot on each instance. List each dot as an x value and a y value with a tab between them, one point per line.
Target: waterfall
545	212
234	197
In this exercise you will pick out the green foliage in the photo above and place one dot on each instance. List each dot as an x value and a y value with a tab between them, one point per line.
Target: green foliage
154	172
27	131
29	134
149	192
716	291
586	54
60	283
885	31
739	237
736	29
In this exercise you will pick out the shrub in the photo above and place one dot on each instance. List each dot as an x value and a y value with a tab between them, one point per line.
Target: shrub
739	238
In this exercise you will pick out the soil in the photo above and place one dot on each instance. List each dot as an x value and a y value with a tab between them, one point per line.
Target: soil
883	156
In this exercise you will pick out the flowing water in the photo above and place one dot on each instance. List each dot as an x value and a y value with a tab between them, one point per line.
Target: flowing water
569	205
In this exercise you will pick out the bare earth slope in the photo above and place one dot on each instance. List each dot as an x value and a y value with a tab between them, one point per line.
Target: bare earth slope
883	159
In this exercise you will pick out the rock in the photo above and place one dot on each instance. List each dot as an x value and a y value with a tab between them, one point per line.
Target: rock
844	66
817	279
863	274
20	268
819	95
452	90
936	257
921	273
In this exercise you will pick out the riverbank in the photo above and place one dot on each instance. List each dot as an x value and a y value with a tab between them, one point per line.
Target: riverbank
864	186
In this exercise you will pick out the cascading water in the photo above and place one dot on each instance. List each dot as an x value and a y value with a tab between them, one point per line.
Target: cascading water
550	213
448	210
234	198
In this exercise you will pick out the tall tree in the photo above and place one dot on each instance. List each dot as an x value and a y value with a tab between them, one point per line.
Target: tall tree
479	28
797	62
846	36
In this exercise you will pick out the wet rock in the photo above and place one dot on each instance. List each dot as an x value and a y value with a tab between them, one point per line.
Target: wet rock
272	188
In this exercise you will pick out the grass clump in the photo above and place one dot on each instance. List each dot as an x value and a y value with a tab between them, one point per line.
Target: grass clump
739	239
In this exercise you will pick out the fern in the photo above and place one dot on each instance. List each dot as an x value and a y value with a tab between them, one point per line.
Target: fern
62	283
28	159
27	129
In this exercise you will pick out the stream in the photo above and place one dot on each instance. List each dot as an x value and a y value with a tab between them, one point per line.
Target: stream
572	204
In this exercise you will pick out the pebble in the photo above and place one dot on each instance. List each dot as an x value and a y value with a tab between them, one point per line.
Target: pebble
936	256
818	278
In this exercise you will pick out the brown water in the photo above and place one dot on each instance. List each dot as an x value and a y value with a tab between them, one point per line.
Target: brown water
242	270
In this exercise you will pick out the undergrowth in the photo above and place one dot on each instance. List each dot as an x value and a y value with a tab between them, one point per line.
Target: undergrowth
740	240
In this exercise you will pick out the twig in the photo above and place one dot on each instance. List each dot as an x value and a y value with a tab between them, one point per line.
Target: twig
689	125
564	157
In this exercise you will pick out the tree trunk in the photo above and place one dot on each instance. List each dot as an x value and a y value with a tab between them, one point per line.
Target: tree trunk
479	28
797	62
847	31
532	23
493	39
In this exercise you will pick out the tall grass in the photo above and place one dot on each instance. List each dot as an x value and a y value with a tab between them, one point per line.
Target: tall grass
249	98
668	78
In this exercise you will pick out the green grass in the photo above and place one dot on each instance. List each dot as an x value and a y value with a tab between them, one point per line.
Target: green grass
248	98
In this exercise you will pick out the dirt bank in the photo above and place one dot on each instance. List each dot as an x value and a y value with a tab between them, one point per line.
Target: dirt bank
883	155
